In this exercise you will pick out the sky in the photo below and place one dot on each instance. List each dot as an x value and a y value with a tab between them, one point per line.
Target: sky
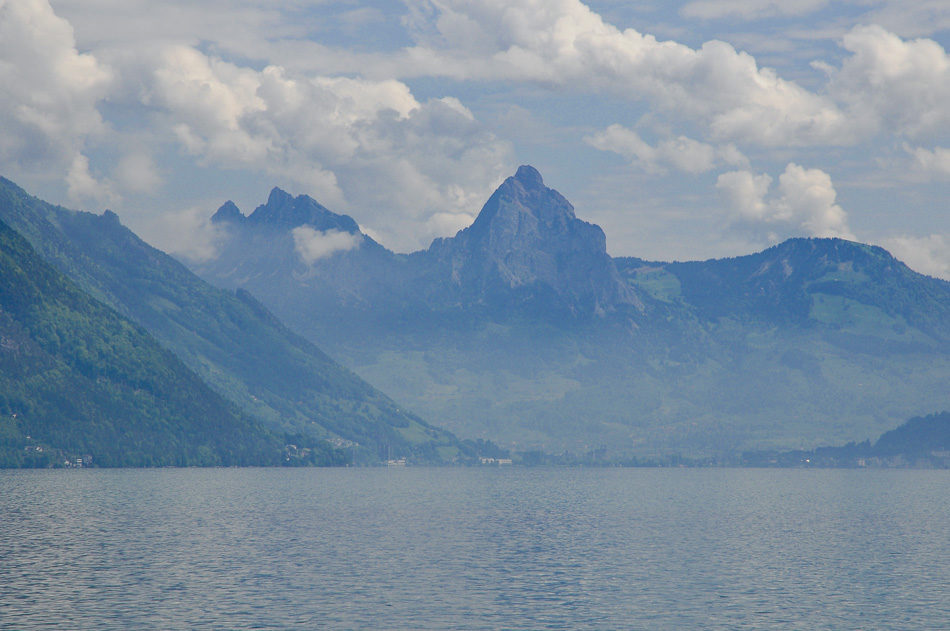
686	130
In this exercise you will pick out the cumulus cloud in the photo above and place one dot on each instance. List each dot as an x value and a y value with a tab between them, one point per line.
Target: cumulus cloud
312	245
928	255
563	43
350	142
48	104
359	145
680	153
258	94
910	19
884	84
184	232
82	186
749	9
803	204
893	84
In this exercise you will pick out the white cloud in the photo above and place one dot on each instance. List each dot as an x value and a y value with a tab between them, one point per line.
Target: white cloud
884	85
804	204
186	232
749	9
934	163
49	95
910	19
136	173
312	245
266	95
928	255
83	186
680	153
564	44
893	85
349	142
363	146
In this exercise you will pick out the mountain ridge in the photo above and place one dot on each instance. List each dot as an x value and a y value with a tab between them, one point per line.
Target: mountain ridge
282	211
81	385
230	339
521	327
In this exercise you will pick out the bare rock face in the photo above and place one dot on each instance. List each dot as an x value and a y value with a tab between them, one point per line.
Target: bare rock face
284	212
527	239
525	253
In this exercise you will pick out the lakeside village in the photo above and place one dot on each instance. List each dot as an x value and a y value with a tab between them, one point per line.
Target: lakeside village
401	462
75	463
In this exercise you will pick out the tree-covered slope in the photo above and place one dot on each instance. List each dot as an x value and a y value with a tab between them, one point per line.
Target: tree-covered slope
228	339
923	441
805	282
78	380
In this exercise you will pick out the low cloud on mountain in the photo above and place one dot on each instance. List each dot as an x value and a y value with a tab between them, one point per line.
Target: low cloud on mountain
312	245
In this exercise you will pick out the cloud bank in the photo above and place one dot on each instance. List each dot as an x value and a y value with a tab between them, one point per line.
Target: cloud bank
928	255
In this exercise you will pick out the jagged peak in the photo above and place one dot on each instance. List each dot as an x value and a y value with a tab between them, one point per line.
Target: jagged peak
228	212
284	211
278	197
524	193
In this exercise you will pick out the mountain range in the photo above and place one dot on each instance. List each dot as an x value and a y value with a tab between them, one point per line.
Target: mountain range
523	329
225	339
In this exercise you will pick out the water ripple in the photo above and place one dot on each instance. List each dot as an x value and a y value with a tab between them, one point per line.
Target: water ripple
474	549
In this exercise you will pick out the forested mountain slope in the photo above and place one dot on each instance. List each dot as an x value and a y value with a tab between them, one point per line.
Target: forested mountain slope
78	380
229	339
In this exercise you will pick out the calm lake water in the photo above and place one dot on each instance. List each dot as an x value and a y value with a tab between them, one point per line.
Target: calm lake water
509	548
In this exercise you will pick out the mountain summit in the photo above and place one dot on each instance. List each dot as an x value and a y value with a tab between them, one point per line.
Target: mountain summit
525	252
527	240
284	212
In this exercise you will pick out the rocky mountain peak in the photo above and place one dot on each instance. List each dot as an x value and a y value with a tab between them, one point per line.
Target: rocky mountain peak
523	211
278	198
285	212
527	235
529	177
228	212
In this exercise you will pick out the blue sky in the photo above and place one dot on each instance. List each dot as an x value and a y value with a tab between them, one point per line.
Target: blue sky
686	130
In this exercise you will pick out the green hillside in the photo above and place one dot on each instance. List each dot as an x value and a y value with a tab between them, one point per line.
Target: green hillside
227	338
78	380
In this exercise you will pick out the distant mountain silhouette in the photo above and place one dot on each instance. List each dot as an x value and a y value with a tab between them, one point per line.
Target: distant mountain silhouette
522	327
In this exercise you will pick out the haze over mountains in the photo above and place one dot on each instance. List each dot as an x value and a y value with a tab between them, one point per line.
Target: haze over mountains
77	379
229	340
522	328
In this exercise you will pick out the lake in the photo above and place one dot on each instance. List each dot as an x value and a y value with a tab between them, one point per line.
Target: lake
486	548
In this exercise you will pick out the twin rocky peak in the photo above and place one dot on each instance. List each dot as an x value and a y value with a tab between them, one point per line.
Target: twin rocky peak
525	247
